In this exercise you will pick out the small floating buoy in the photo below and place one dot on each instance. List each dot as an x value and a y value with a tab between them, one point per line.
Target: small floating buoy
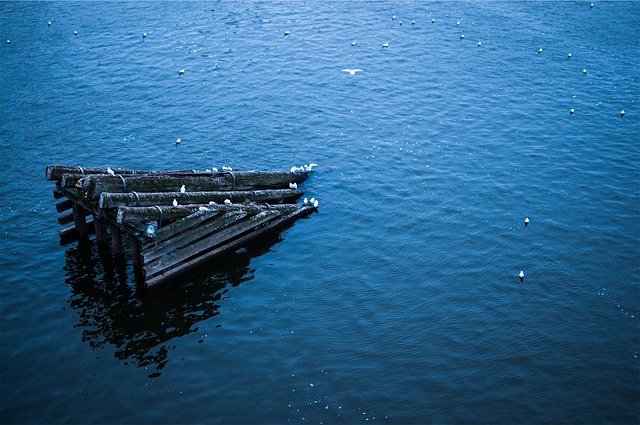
569	55
571	111
540	50
521	276
180	72
178	141
526	221
622	113
287	33
584	71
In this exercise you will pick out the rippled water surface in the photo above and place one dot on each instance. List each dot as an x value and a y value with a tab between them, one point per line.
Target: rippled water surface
399	301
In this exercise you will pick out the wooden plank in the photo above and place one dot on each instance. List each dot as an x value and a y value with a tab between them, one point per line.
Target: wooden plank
208	243
180	226
168	274
69	234
55	172
113	200
145	214
94	185
65	219
134	244
153	251
65	205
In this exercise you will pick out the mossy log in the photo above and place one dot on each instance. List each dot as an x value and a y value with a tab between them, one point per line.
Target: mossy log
94	185
143	214
113	200
55	172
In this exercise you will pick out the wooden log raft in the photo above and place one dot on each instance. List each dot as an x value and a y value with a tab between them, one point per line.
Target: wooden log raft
175	220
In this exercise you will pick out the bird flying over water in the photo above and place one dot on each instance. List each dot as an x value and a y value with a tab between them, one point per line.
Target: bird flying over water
352	71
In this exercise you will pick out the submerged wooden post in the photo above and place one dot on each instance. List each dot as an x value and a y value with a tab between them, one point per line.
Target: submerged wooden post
134	243
116	241
101	229
79	220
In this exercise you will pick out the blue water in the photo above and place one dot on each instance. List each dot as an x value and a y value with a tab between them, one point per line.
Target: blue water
399	301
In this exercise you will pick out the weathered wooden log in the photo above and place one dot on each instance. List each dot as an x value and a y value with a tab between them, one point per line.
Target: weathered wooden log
94	185
101	229
208	243
79	214
168	274
113	200
143	214
153	251
134	244
55	172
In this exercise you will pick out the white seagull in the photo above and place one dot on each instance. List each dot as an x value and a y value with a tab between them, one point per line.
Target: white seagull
181	72
352	71
227	202
521	276
110	171
175	203
178	141
293	185
385	45
224	168
315	204
183	189
526	221
622	113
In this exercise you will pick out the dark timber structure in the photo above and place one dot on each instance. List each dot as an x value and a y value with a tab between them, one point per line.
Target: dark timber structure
175	220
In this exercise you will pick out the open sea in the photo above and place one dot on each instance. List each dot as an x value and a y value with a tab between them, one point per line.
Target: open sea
399	302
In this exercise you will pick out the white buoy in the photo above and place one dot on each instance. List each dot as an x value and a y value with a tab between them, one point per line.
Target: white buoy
352	71
622	113
181	72
571	111
526	221
178	141
521	276
175	203
183	189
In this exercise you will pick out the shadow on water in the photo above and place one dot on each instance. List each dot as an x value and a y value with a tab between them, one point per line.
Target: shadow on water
140	324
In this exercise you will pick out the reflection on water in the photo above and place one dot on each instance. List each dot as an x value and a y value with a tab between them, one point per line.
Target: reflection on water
140	324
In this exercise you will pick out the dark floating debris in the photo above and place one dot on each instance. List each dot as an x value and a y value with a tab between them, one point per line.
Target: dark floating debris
176	221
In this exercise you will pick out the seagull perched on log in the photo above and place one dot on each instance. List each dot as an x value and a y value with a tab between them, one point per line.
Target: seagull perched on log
183	189
293	185
110	171
224	168
352	71
175	203
227	202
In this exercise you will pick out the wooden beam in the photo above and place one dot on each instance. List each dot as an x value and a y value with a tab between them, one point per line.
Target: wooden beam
65	205
79	214
116	241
